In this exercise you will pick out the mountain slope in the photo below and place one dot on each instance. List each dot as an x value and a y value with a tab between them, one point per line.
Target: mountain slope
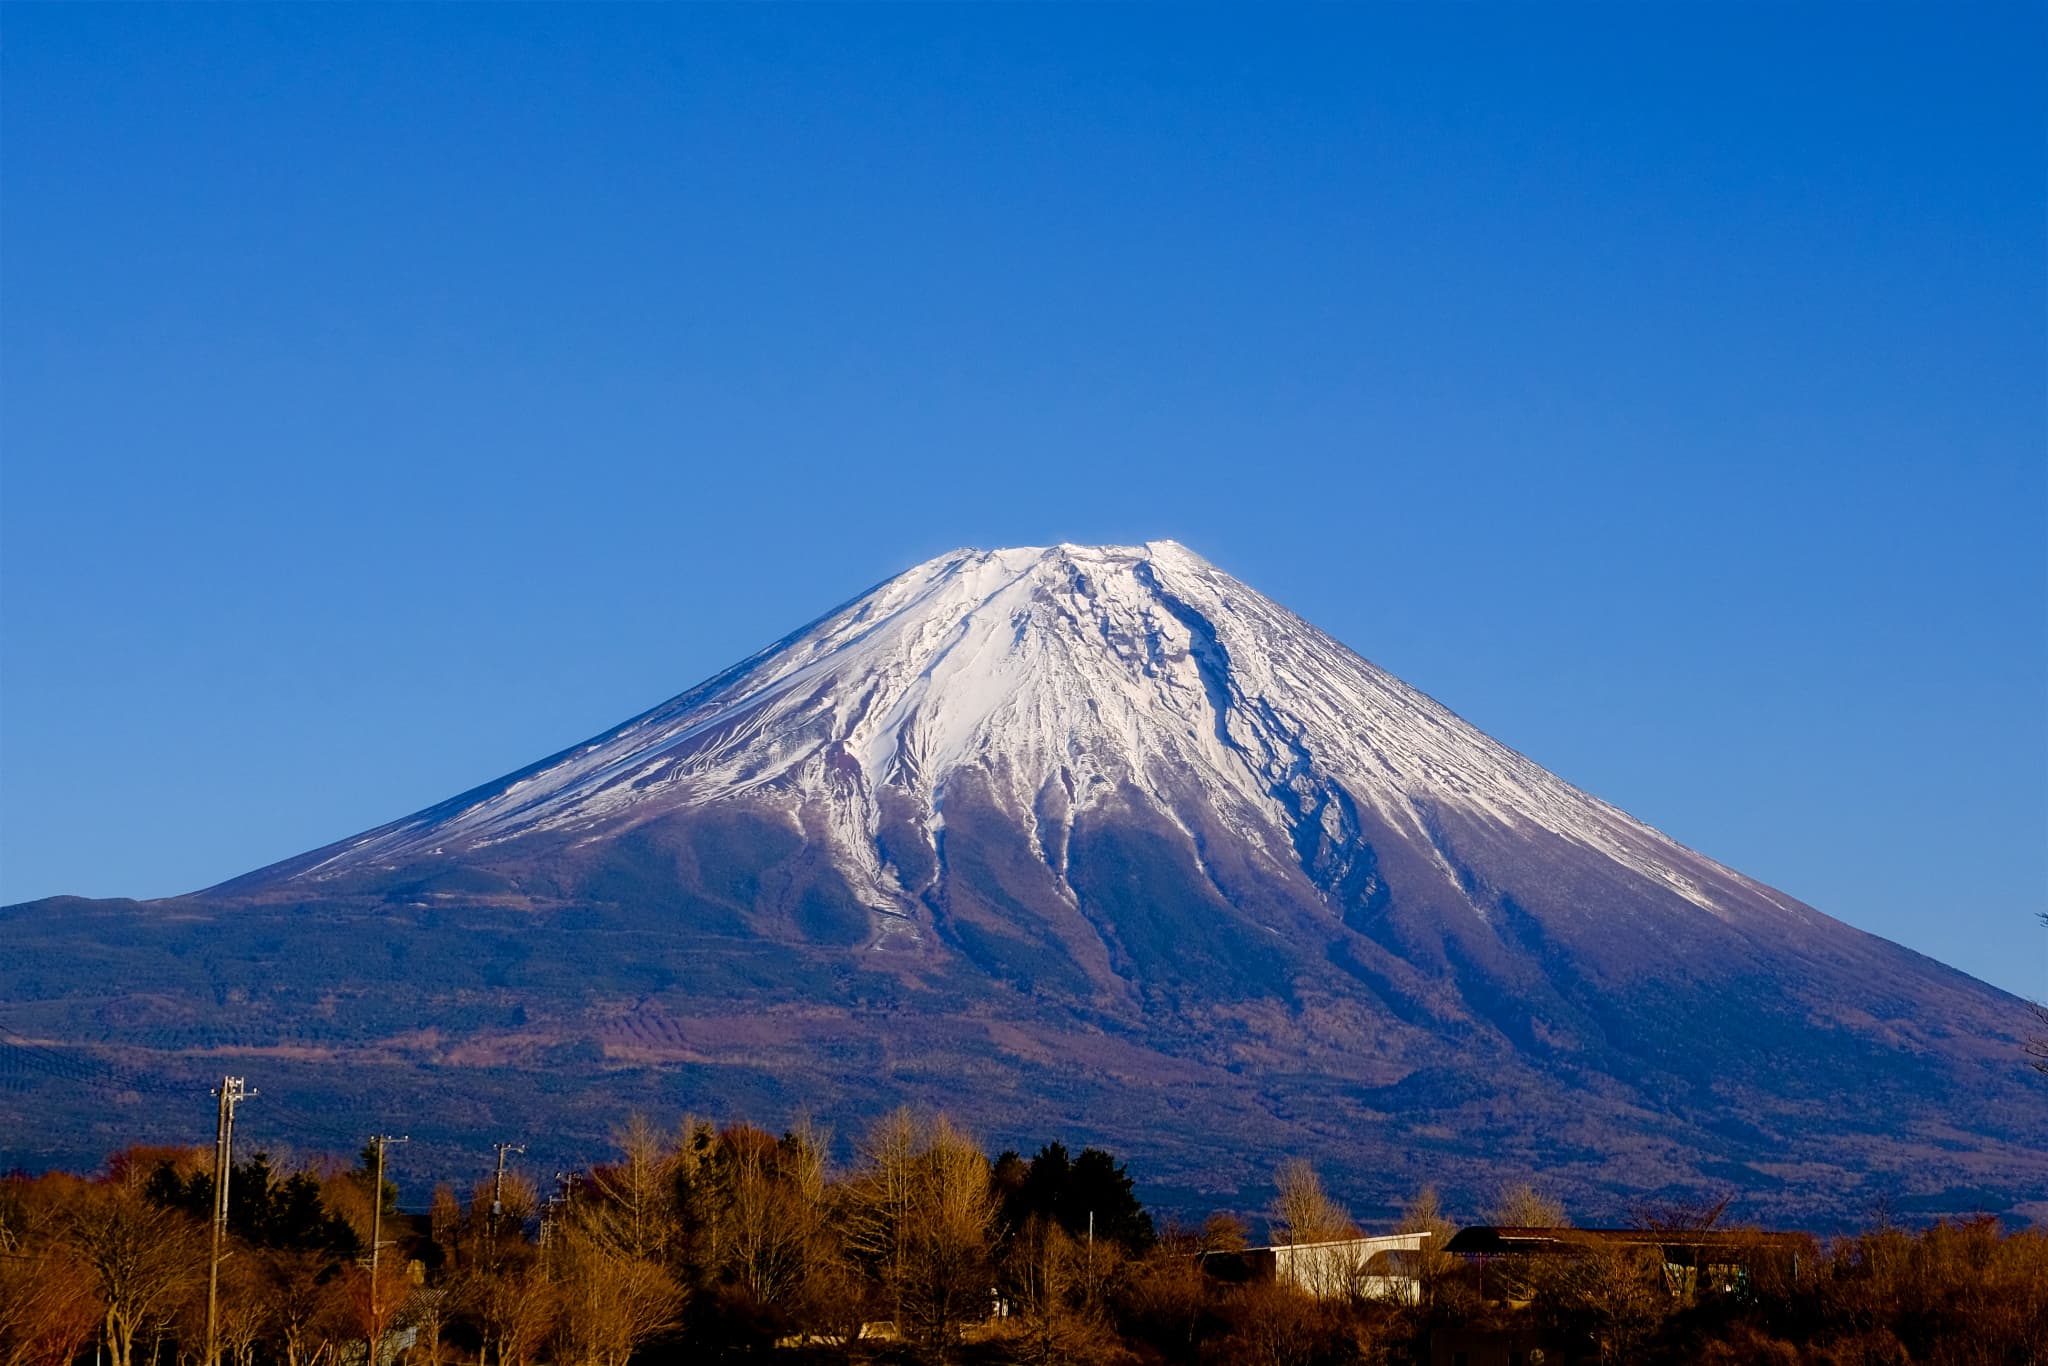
1082	668
1099	836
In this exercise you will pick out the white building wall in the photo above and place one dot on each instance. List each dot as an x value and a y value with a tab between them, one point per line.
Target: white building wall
1337	1270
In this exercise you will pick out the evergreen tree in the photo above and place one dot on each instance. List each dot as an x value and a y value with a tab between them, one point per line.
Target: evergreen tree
1068	1191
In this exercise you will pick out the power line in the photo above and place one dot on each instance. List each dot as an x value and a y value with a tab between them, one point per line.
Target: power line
287	1124
26	1063
21	1056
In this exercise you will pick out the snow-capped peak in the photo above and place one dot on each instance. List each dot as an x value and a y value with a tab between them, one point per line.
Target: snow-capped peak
1102	670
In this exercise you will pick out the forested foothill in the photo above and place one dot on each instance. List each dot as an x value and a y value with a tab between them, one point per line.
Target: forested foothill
705	1243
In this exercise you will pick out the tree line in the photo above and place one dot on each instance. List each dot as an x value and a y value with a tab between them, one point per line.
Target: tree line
706	1242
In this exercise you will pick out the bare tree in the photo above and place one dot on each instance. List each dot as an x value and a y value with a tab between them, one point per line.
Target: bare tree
1168	1296
1280	1325
512	1305
373	1305
1222	1233
1523	1206
245	1311
839	1299
1613	1295
305	1306
48	1306
609	1304
446	1225
1049	1285
1304	1214
922	1215
615	1254
1692	1215
632	1206
776	1199
1303	1211
880	1204
954	1215
1434	1267
146	1260
496	1238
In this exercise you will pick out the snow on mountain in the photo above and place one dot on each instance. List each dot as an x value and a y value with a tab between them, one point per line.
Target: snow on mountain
1089	671
1088	840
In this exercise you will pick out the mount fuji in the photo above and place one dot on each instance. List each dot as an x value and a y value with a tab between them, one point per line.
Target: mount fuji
1084	840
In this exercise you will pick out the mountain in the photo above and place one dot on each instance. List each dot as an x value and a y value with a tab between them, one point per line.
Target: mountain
1094	841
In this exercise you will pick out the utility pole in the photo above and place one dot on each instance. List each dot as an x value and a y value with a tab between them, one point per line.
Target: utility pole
552	1211
1091	1257
498	1182
230	1094
380	1142
547	1230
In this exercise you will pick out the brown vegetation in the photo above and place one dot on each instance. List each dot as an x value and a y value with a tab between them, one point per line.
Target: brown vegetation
706	1243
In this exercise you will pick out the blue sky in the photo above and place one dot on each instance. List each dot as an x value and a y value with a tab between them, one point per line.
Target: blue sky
393	396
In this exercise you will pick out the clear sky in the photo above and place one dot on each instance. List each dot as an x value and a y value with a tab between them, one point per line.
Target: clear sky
394	396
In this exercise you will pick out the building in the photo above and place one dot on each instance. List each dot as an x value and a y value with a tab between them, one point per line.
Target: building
1345	1268
1694	1261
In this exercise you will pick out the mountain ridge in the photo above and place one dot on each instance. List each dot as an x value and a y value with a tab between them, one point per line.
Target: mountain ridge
1122	839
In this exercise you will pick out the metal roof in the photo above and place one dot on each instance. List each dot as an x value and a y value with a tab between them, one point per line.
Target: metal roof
1506	1239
